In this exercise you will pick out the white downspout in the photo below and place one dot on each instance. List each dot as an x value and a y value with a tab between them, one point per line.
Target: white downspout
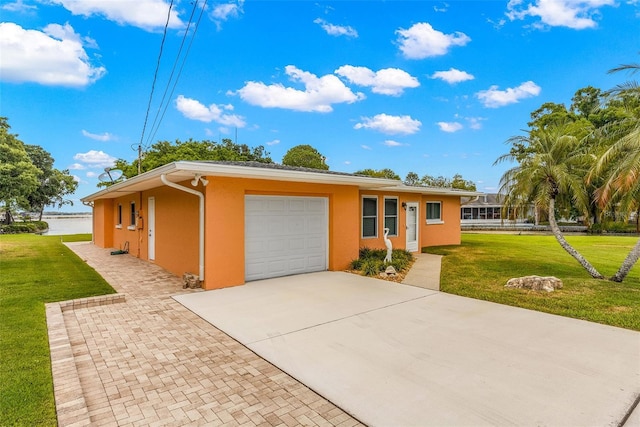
168	183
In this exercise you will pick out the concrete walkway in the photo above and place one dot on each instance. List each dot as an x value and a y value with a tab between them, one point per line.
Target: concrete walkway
425	272
139	358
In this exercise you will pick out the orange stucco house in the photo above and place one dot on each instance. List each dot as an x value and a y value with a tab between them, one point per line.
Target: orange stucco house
233	222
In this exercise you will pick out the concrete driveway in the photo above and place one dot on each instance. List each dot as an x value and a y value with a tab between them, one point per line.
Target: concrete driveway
396	355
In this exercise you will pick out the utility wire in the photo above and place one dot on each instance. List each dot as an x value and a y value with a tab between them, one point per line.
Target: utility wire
157	119
175	83
153	85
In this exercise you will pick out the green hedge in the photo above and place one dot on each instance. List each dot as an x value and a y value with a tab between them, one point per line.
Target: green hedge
24	227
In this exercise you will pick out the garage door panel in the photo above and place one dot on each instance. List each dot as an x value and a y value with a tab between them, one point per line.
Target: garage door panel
285	235
297	244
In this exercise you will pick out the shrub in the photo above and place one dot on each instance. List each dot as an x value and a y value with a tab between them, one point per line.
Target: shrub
24	227
372	266
371	261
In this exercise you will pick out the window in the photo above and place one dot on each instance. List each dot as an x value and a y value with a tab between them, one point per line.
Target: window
434	212
132	219
391	215
369	216
119	221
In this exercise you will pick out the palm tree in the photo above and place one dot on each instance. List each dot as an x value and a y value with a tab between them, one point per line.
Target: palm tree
622	162
551	169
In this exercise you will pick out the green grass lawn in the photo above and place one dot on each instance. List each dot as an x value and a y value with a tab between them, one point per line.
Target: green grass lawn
35	270
481	266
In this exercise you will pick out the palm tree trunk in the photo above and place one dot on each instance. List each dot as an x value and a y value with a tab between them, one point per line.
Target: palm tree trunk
627	264
566	246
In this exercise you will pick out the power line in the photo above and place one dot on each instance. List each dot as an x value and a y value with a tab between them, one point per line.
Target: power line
162	110
153	85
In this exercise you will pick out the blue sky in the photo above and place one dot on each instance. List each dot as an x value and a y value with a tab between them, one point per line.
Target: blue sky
430	87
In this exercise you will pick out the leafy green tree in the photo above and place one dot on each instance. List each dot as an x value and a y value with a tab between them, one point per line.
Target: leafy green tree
412	179
462	184
379	173
18	177
622	165
164	152
53	184
305	156
553	169
457	181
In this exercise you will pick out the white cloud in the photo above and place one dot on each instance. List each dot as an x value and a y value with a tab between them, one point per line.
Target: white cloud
95	159
450	126
442	8
392	143
318	95
99	137
389	81
76	166
91	174
195	110
274	142
475	123
336	30
18	6
365	147
494	98
347	162
390	124
452	76
145	14
422	41
575	14
54	56
222	12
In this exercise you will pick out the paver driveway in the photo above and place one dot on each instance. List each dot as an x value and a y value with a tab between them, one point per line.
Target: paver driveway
396	355
150	361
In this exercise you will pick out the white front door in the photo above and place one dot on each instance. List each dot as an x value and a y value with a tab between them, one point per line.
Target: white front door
411	216
151	227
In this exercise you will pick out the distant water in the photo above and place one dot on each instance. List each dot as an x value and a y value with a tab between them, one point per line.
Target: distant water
68	224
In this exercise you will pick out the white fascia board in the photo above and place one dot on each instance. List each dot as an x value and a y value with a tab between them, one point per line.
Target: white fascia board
183	169
431	191
239	171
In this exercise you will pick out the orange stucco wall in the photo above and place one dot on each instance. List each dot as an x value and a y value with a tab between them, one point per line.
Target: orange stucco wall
102	223
224	242
447	233
177	215
176	227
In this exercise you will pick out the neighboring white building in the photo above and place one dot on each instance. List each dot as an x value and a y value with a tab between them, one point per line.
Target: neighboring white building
487	210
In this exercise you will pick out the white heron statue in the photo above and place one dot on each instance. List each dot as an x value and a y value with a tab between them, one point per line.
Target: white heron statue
387	243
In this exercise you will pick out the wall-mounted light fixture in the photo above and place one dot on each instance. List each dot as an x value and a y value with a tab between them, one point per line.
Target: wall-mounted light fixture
404	205
197	178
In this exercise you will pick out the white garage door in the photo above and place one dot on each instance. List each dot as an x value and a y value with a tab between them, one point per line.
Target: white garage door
285	235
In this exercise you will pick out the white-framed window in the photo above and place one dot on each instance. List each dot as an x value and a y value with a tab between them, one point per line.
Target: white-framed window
119	216
132	217
369	216
391	215
434	212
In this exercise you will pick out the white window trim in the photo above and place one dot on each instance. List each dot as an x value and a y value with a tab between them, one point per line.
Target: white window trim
119	215
384	213
434	221
132	216
364	196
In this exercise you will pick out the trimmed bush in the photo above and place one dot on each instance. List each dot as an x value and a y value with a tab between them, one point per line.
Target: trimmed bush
371	261
24	227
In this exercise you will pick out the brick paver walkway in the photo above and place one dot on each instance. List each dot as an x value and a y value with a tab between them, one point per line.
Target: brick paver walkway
143	359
